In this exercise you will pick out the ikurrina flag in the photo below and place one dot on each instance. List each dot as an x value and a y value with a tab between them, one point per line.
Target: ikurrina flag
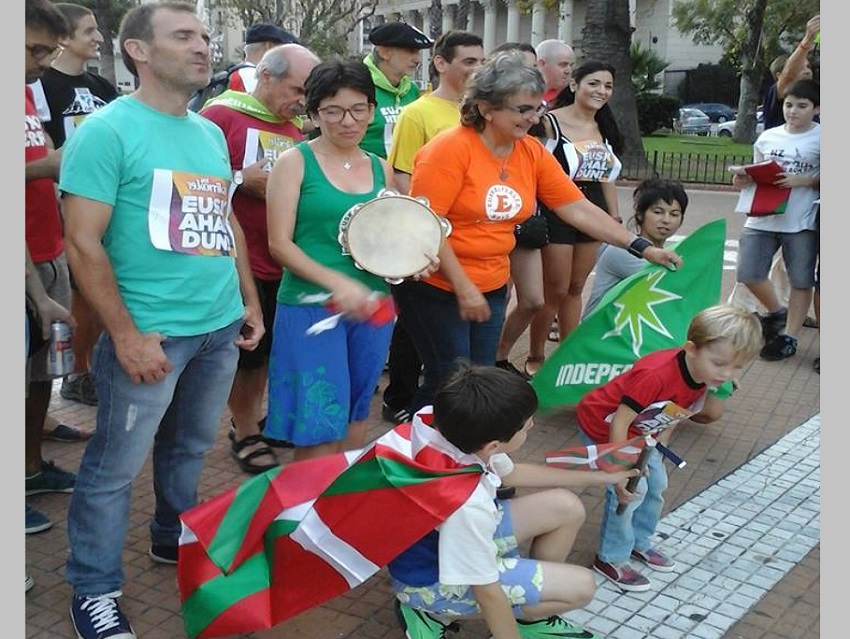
609	457
294	537
647	311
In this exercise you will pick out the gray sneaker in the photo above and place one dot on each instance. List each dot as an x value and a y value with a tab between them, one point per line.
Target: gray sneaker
81	389
51	479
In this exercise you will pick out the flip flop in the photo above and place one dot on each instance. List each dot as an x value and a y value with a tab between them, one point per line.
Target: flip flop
65	433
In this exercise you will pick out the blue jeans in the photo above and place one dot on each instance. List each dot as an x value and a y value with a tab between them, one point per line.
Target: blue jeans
620	534
178	417
431	318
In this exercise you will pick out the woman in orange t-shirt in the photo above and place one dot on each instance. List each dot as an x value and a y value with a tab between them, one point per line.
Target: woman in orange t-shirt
485	176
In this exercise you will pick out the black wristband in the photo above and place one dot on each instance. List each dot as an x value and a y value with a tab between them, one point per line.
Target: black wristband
638	246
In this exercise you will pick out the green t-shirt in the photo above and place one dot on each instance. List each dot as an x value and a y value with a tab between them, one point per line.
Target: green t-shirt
169	238
322	208
390	99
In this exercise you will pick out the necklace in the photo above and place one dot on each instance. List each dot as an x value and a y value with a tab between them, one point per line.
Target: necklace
347	163
503	172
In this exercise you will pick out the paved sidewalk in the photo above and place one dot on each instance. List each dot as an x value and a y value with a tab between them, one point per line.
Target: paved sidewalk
747	577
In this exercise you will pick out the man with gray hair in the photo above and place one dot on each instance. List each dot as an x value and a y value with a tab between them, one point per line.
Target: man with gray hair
555	59
259	38
259	126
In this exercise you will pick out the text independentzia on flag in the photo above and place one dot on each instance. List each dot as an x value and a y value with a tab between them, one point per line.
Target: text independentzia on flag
644	313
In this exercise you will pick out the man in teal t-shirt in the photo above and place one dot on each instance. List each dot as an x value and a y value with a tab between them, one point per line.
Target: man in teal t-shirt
158	255
392	62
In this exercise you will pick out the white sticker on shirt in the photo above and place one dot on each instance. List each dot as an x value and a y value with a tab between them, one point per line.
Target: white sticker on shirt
502	203
264	145
188	213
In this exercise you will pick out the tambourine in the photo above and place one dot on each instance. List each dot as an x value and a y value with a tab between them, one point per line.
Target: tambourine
392	235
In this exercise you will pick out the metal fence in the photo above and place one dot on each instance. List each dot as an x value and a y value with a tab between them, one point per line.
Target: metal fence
686	167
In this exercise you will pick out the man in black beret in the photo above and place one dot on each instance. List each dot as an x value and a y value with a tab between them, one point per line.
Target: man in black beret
259	38
392	62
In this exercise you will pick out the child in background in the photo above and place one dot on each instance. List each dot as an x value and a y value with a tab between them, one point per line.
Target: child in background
721	341
470	565
659	212
795	145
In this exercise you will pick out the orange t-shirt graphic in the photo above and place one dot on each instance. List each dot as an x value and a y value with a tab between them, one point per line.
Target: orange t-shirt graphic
461	179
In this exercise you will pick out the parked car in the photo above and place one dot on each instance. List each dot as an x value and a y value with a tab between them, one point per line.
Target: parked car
692	122
727	129
716	111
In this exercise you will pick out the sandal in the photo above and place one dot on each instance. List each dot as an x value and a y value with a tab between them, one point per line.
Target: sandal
554	333
532	360
243	453
65	433
274	443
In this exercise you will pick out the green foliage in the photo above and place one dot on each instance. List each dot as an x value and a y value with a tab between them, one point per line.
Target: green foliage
724	23
646	67
711	83
655	111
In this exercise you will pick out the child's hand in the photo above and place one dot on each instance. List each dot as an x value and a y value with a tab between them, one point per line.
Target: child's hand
621	476
623	495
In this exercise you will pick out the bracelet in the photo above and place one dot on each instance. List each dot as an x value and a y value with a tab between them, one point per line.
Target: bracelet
805	47
638	246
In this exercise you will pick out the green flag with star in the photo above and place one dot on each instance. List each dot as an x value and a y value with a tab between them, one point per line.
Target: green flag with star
646	312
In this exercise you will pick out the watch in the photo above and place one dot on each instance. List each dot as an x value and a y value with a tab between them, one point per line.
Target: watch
638	246
238	178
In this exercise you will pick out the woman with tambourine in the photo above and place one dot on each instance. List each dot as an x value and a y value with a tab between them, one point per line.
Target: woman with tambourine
485	176
321	382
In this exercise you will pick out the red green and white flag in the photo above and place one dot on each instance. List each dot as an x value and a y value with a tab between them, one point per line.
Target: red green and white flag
646	312
294	537
609	457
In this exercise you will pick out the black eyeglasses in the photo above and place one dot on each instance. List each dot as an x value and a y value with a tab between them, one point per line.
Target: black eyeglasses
40	52
358	112
526	110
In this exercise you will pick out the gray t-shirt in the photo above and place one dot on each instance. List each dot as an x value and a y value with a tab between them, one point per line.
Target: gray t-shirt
613	266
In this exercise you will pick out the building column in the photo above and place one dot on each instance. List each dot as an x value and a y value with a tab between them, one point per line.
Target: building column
489	37
513	22
565	21
448	16
538	23
470	17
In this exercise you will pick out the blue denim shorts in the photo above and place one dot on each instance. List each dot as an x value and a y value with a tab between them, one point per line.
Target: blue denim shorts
757	248
521	579
319	384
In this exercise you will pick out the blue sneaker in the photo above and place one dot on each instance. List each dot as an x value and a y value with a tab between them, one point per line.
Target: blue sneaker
36	521
50	479
100	617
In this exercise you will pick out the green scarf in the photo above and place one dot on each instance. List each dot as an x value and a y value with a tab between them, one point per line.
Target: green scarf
249	105
380	80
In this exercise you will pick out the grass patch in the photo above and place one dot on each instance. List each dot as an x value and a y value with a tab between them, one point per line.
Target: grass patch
701	145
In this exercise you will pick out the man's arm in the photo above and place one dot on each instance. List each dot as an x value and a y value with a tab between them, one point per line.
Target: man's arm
46	167
797	60
254	329
140	355
47	308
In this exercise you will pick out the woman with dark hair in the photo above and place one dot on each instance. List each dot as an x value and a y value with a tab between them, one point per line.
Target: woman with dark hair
583	135
320	388
485	176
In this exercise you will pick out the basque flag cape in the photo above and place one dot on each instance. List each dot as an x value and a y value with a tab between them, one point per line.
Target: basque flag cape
294	537
646	312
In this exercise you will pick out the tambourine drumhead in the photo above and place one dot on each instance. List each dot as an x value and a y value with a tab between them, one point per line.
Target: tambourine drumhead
392	235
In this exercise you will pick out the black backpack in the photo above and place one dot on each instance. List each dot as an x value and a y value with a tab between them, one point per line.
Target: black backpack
217	85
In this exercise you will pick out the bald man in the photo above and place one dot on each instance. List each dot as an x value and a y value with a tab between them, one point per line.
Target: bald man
555	59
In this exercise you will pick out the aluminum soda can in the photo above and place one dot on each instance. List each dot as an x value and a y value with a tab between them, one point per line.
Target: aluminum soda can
60	357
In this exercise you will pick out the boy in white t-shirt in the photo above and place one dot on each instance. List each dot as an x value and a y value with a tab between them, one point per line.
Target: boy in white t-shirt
795	145
470	566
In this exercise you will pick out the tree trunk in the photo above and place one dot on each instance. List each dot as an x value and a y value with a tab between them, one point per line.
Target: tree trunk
607	36
745	125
